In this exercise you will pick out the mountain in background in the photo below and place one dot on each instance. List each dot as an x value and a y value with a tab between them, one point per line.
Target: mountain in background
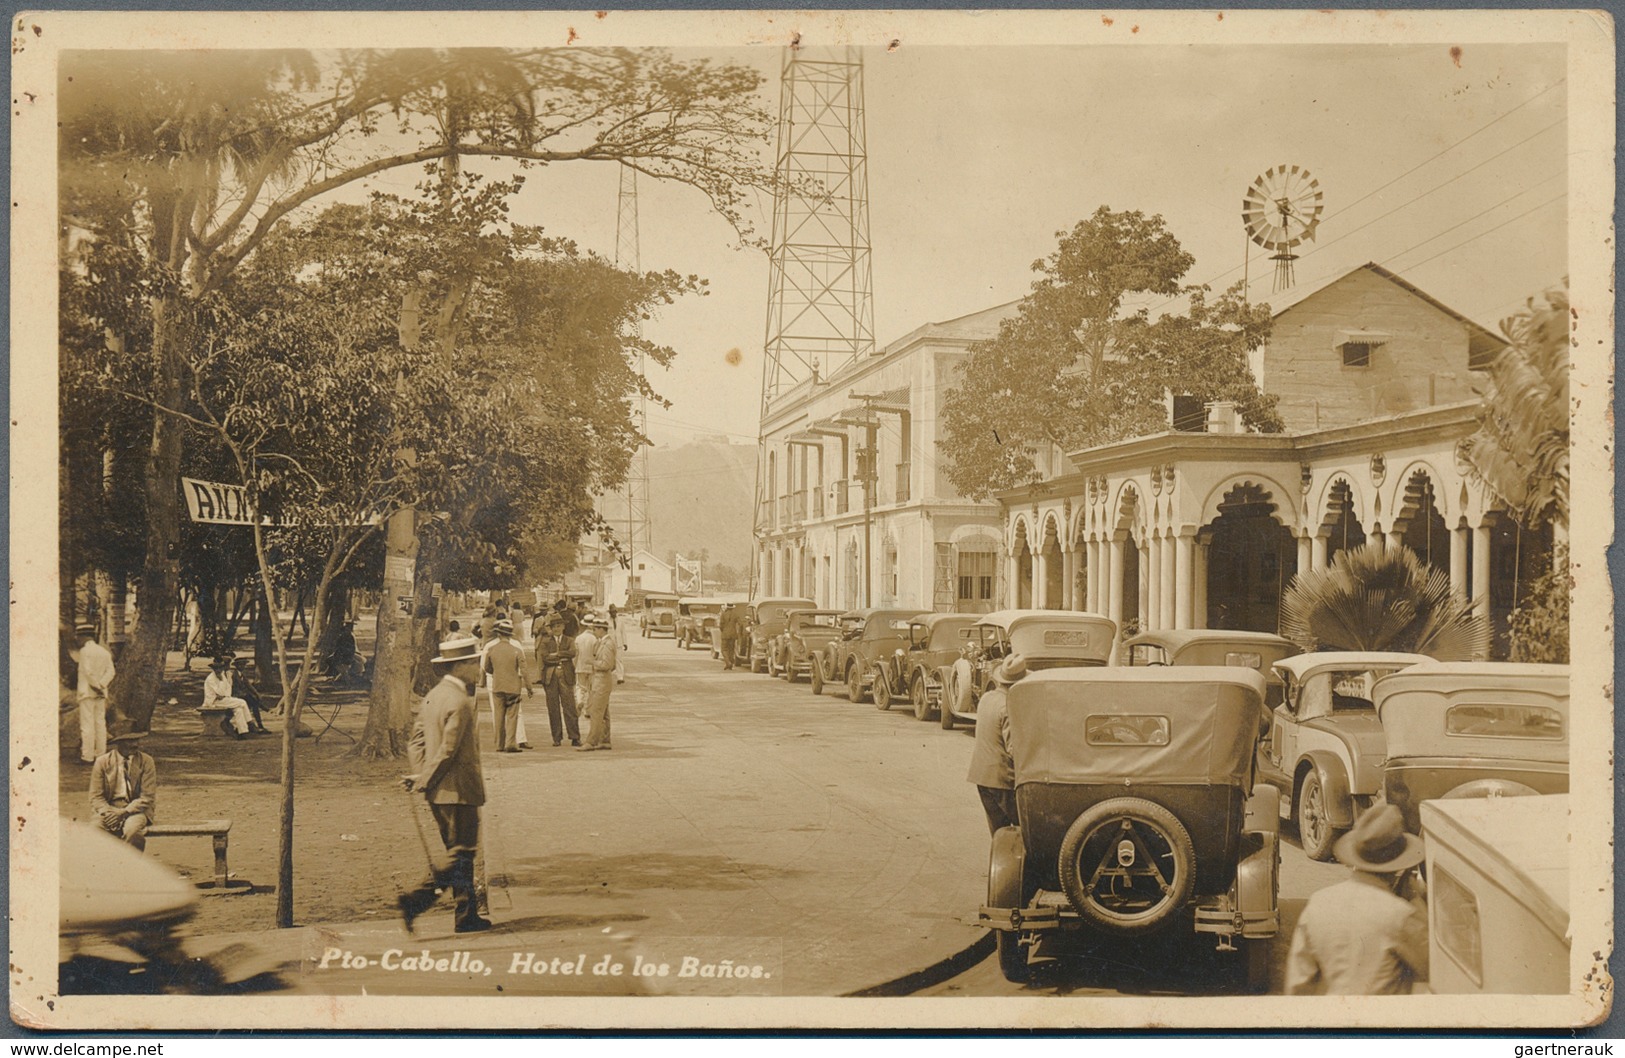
701	496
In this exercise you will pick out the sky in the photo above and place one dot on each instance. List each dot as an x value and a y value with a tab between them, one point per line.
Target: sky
1449	167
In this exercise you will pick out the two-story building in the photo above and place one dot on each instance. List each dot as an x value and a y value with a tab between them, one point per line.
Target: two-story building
856	509
1203	527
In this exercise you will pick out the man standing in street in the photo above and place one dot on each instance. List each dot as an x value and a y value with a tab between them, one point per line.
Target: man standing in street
96	672
992	767
124	788
555	661
1368	935
504	664
604	656
572	623
585	644
446	756
728	631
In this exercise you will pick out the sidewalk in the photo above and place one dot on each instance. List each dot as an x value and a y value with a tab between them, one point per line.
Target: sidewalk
737	819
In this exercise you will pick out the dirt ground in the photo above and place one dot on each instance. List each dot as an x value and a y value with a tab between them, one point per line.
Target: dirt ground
355	844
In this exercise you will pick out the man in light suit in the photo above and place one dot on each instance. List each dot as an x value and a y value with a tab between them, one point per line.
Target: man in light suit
124	788
446	756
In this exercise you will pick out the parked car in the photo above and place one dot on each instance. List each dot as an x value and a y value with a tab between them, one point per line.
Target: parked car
1138	813
853	657
1498	895
913	671
659	614
696	618
1049	639
1258	651
1480	729
806	633
764	621
1325	747
849	626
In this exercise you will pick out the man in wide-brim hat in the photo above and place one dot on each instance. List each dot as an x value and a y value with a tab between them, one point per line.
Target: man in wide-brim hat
992	768
446	762
124	787
1367	935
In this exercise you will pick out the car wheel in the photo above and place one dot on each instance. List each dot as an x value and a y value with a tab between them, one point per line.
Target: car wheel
1007	887
854	684
1315	830
1127	865
773	665
920	697
882	690
815	674
786	673
758	664
955	694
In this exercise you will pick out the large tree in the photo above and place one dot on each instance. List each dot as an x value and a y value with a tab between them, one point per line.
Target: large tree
1083	361
195	157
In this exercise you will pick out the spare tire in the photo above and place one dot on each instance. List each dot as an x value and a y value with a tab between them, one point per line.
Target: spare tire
955	695
1127	865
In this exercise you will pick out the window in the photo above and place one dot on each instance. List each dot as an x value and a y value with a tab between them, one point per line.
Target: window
1504	721
976	575
1357	347
1136	730
1455	923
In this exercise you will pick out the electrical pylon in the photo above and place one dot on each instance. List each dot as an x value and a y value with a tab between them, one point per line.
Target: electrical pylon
820	302
639	530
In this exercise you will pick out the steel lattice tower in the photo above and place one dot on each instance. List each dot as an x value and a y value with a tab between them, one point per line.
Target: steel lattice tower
639	530
820	307
820	301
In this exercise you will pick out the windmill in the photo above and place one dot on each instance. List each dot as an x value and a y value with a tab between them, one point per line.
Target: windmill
1280	210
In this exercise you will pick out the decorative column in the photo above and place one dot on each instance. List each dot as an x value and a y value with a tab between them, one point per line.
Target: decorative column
1184	573
1165	606
1069	568
1143	611
1199	581
1012	590
1112	583
1458	560
1317	551
1040	579
1482	535
1096	594
1306	554
1153	584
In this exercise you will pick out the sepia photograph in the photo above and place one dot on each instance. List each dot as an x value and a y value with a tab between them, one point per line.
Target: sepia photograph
1070	518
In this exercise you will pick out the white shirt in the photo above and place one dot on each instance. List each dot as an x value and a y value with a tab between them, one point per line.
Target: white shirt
215	687
586	643
95	670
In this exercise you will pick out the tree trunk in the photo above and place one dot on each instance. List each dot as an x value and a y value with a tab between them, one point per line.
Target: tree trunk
141	670
264	645
389	711
425	632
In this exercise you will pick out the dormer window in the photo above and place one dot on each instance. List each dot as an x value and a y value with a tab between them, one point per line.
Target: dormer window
1357	347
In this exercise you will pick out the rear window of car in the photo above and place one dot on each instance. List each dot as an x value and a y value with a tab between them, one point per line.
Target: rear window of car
1147	654
1244	659
1065	637
1142	729
1455	923
1504	721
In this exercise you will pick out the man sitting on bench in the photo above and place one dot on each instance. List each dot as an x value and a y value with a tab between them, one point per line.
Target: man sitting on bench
124	788
219	693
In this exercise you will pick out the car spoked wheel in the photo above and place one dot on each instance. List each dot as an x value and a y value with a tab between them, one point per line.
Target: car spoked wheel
882	691
815	674
1315	830
773	665
1127	865
920	697
854	684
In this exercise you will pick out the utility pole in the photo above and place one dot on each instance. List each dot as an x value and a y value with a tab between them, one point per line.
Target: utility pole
639	520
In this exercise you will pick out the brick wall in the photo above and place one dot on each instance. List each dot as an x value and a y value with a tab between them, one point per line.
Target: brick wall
1422	363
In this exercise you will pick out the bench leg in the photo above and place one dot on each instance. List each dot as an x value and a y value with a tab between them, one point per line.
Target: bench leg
220	861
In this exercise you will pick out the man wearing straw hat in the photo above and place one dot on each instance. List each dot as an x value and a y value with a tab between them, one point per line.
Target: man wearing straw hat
1367	935
446	756
992	767
124	788
504	665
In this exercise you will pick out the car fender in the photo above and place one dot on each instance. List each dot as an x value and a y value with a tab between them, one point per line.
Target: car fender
1334	784
1258	883
1006	869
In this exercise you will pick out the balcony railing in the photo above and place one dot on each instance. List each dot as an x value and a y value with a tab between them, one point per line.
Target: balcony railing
817	502
902	482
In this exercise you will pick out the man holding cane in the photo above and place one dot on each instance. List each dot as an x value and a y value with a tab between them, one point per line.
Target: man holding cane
445	753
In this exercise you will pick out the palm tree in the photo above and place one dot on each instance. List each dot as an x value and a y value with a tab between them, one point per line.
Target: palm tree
1375	598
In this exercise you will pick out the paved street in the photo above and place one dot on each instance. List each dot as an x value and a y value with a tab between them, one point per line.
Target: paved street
738	819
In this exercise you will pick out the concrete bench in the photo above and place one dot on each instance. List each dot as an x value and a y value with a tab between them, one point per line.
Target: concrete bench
215	829
213	717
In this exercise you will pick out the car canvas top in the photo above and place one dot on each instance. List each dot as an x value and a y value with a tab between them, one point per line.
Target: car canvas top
1302	666
1550	679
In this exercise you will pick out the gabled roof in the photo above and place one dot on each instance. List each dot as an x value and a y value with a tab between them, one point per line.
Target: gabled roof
1481	343
975	326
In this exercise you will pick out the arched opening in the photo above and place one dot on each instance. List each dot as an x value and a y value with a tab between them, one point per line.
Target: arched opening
1423	527
1341	527
1131	573
1022	590
1054	573
1250	561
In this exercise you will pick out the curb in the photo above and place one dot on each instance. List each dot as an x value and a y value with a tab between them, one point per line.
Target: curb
934	974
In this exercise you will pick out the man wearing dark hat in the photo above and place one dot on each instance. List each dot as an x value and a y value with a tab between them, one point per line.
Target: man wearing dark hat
96	673
555	661
504	665
446	755
992	767
219	689
124	788
1367	935
572	623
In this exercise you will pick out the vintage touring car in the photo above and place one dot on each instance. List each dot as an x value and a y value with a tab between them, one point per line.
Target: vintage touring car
1048	639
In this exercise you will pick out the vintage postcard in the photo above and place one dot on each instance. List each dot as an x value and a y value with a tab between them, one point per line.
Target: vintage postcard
1087	519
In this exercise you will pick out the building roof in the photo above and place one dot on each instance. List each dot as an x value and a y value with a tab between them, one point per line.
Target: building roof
971	327
1481	342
